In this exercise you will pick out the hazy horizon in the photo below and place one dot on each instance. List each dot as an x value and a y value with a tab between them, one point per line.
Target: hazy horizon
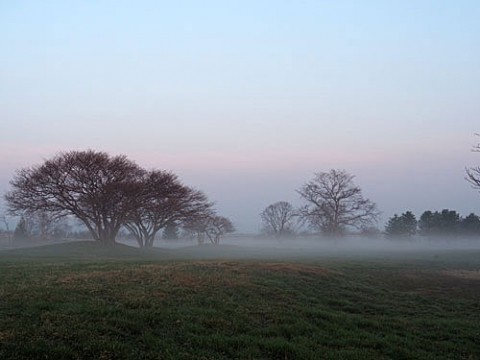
247	100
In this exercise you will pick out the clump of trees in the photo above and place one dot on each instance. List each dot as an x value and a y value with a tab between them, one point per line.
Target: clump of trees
106	193
334	204
444	223
210	226
404	225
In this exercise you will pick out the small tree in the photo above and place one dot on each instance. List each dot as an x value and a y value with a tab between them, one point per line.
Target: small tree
217	226
279	219
334	203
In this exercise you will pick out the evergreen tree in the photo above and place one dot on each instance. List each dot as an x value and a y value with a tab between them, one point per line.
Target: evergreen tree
470	225
446	222
401	226
426	223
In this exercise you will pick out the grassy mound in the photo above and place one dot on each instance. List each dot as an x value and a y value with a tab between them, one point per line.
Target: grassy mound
81	250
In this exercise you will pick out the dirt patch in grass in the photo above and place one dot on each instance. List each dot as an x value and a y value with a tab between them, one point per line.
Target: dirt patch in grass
191	275
461	283
463	274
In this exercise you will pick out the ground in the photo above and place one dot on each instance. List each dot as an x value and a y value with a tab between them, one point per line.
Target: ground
84	301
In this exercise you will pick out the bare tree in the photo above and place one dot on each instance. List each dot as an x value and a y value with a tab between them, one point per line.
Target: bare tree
209	226
161	200
216	227
92	186
334	203
279	219
197	225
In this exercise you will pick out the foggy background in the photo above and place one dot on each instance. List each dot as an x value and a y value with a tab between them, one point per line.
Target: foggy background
246	100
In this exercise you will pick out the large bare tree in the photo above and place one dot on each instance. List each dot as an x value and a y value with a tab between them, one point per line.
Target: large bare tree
163	199
92	186
335	203
279	219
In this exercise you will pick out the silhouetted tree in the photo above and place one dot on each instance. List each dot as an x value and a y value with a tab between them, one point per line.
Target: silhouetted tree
197	226
279	219
446	222
92	186
210	226
470	225
426	223
401	226
334	203
218	226
162	199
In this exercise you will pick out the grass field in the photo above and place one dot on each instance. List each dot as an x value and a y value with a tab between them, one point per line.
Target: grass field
80	300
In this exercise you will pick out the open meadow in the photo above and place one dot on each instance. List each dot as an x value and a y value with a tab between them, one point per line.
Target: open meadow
84	301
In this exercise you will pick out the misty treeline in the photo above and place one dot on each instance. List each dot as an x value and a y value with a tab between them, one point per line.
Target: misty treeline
109	193
333	204
444	223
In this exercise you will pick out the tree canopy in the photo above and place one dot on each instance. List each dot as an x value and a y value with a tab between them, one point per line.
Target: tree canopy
105	193
334	203
162	199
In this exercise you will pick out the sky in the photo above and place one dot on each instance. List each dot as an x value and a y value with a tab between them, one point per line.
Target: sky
246	100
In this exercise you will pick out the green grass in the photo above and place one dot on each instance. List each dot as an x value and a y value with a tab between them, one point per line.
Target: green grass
83	301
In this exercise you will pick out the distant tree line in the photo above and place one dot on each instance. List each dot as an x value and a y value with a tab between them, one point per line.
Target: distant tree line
107	193
433	224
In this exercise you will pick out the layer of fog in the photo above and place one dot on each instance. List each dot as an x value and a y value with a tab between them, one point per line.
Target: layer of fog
257	247
313	246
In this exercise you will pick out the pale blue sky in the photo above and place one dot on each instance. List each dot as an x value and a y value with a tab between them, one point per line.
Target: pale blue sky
247	99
